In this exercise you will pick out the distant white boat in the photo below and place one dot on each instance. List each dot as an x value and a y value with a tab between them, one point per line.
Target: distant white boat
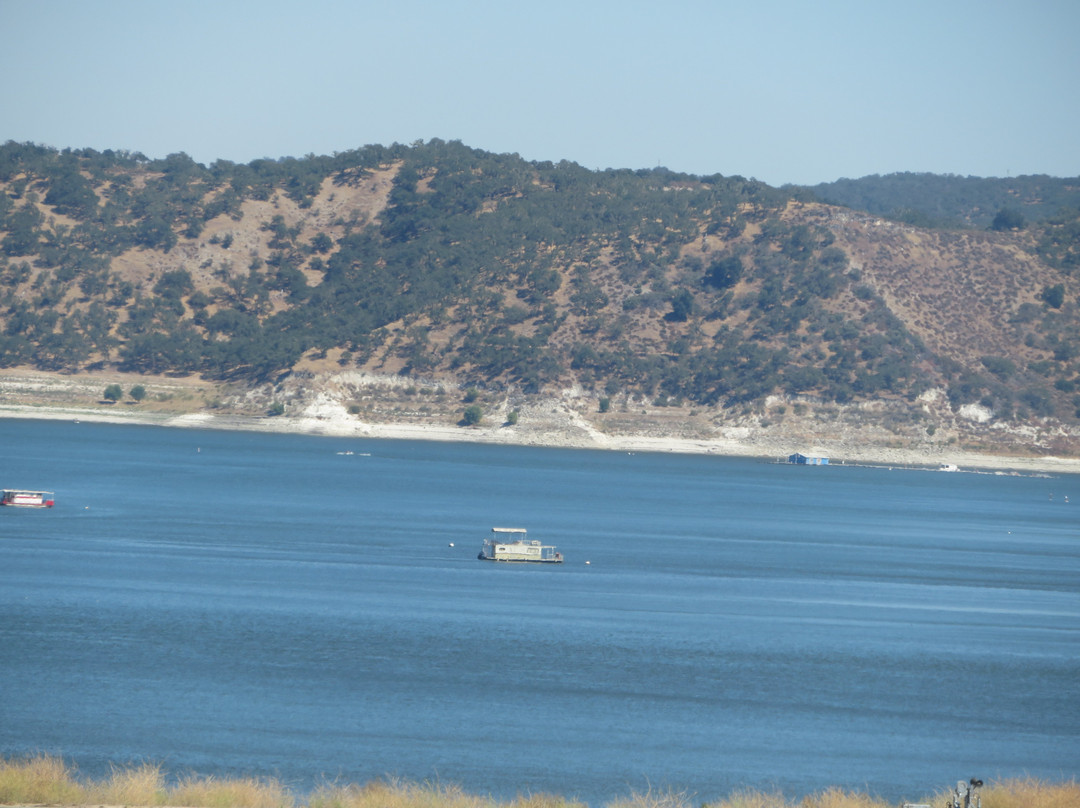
511	544
948	467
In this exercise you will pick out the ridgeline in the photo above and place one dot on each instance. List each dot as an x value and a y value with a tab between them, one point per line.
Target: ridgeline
942	309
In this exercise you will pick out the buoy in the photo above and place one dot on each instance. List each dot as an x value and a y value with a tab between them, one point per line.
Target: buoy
587	563
451	544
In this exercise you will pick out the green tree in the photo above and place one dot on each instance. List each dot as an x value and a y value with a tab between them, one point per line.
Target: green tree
321	243
1054	296
23	236
682	306
71	194
473	415
138	392
1008	219
113	392
175	284
725	272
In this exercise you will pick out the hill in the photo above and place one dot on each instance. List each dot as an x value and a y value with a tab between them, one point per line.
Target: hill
934	200
663	301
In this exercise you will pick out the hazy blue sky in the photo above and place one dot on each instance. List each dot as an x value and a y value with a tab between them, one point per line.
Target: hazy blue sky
784	91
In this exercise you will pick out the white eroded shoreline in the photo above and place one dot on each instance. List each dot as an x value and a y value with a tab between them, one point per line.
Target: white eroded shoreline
577	436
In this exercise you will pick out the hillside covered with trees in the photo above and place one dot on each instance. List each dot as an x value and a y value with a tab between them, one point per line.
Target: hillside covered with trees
935	200
439	261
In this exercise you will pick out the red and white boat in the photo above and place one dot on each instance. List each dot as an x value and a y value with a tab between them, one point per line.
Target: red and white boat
26	499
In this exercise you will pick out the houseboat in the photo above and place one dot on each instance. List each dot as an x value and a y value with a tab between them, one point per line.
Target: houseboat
511	544
26	499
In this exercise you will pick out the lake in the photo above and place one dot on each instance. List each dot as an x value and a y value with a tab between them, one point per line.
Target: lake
238	603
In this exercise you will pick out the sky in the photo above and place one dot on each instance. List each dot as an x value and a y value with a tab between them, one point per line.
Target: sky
784	91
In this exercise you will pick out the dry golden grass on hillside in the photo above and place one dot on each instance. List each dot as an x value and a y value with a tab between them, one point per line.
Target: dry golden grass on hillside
49	780
956	291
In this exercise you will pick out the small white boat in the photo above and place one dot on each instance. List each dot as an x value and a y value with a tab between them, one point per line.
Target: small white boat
16	498
511	544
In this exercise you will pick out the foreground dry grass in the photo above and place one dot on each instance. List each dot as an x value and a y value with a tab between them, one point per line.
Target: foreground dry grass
48	780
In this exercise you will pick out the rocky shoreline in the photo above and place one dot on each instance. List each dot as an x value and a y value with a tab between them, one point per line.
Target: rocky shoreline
358	405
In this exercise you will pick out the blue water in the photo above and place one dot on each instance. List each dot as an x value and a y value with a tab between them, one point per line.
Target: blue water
235	603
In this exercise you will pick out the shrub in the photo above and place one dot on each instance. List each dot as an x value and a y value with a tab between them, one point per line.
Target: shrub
136	785
473	415
864	292
1054	296
41	779
682	306
725	272
1039	400
244	792
1000	366
46	780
